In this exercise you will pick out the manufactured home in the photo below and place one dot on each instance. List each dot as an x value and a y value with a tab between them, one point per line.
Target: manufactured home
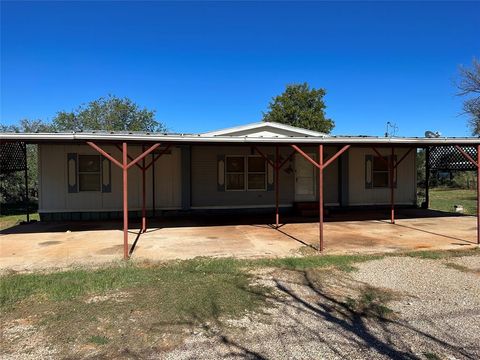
75	181
256	167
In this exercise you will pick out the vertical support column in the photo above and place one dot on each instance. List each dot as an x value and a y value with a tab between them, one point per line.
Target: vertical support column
478	195
392	187
277	184
125	200
153	185
27	205
427	177
320	196
144	211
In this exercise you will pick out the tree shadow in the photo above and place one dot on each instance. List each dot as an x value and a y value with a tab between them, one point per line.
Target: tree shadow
362	328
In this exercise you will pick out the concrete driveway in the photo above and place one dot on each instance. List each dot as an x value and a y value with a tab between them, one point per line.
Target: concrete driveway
59	245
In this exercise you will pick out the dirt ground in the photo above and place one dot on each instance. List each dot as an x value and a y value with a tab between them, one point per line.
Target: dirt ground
433	313
391	308
59	245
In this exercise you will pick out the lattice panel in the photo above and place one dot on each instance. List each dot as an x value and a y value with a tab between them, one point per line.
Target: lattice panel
12	157
450	158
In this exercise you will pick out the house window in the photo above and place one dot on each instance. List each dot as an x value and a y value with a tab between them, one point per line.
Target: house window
245	173
235	173
257	173
380	173
377	172
89	173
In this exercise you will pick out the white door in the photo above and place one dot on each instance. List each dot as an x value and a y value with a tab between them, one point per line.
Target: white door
304	178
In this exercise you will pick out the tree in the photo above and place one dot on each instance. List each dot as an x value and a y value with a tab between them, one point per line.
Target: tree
300	106
108	113
469	85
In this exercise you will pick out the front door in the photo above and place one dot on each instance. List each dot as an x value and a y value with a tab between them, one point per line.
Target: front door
304	179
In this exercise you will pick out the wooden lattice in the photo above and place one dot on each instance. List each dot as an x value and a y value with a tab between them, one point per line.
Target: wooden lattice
12	157
447	158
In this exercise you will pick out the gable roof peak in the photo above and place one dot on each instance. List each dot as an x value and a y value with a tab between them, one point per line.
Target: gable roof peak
265	129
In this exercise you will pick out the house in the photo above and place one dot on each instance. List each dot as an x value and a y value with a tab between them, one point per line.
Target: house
102	175
76	182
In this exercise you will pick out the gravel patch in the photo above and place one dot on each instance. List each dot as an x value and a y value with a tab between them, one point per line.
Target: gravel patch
436	315
21	340
470	262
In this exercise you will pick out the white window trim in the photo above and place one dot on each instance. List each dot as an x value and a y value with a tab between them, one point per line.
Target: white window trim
383	171
228	172
99	173
256	172
246	173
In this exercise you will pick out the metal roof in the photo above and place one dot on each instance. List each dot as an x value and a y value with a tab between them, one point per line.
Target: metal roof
103	136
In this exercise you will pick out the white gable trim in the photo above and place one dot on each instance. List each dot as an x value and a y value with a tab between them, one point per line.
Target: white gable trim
265	129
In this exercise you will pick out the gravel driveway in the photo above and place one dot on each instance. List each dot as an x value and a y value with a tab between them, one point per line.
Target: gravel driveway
435	303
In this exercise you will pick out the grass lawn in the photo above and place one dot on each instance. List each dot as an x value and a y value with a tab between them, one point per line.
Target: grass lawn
14	214
444	199
134	305
7	221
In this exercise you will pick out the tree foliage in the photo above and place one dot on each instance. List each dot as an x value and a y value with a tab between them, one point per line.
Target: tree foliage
469	85
109	113
300	106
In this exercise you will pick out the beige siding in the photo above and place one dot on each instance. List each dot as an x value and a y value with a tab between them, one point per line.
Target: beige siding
205	192
405	193
54	195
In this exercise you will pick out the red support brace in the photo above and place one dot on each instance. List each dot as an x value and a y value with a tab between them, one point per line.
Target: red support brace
264	156
155	158
403	158
321	167
129	157
334	157
125	165
104	153
142	155
305	155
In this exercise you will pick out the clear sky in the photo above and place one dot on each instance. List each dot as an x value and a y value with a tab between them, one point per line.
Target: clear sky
204	66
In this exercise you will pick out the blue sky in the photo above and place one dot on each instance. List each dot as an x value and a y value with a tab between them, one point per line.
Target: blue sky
204	66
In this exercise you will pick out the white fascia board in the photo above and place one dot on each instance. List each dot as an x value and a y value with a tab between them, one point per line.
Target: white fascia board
67	137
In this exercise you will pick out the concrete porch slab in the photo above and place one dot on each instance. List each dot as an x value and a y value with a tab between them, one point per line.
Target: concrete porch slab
60	245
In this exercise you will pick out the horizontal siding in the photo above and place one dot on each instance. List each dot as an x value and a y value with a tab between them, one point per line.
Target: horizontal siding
405	192
54	195
205	192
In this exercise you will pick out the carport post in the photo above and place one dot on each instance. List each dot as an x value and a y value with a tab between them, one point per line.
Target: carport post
125	200
392	188
277	181
144	217
320	196
321	166
427	177
478	195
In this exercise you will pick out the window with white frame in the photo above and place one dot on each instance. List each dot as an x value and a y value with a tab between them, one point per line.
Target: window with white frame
89	173
245	173
235	173
256	173
377	171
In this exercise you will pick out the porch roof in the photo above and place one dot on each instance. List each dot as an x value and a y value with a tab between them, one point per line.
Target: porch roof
145	137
